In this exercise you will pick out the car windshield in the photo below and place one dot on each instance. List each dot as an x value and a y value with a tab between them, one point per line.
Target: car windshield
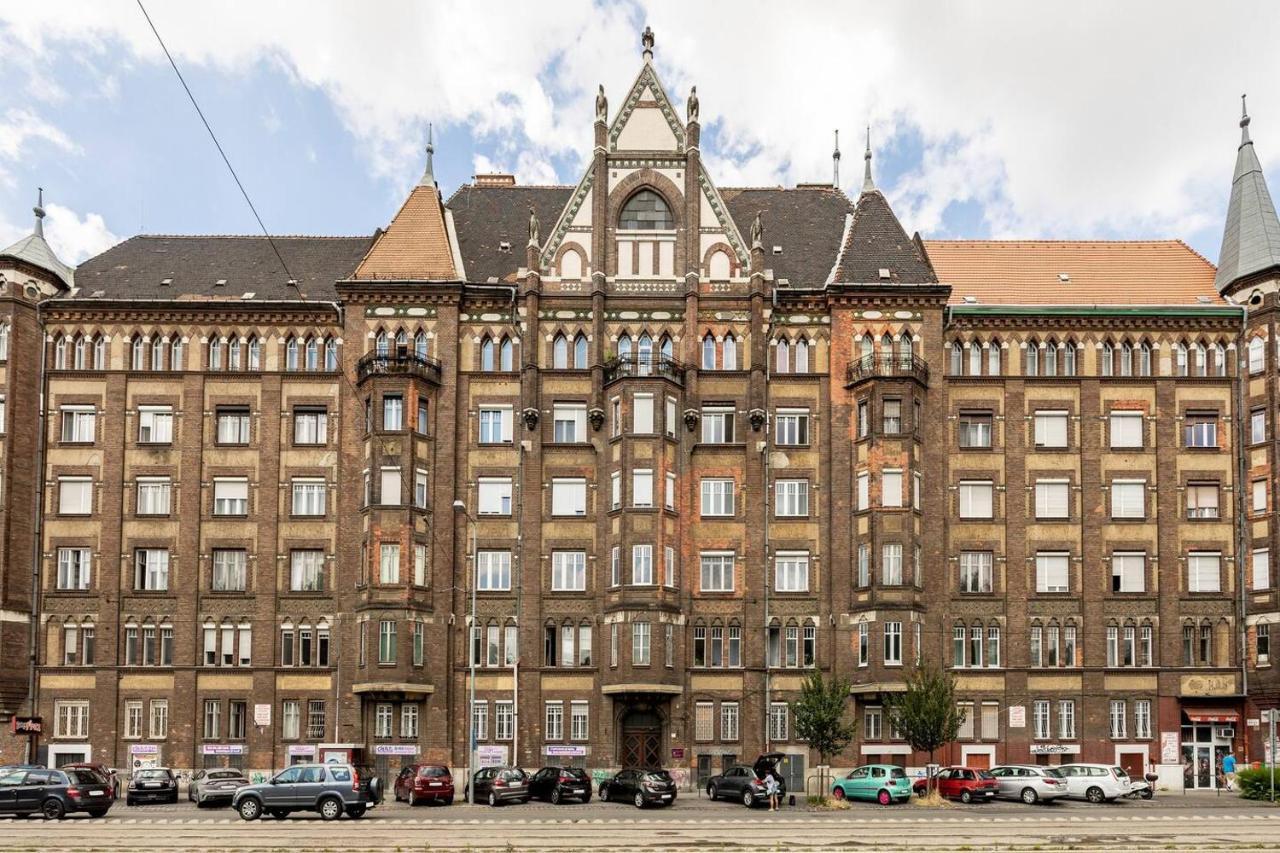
1120	772
657	776
224	774
574	772
1051	772
153	775
85	777
897	773
435	772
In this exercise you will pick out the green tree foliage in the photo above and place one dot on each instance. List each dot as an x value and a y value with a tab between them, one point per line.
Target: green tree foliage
819	715
926	715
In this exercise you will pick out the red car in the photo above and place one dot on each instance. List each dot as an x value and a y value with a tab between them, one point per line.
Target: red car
425	783
961	783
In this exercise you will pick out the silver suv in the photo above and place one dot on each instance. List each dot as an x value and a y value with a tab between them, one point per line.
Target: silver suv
329	789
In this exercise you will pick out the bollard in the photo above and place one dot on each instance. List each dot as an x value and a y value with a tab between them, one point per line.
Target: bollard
791	799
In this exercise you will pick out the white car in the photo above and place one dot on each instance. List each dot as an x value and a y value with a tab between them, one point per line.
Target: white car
1096	783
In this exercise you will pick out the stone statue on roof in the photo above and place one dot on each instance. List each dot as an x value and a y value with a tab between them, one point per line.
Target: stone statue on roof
533	227
602	105
692	105
646	39
757	232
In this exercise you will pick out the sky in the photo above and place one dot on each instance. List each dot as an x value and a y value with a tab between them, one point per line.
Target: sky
988	119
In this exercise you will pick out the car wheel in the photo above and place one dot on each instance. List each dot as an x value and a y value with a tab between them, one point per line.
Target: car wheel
639	800
331	808
250	809
1094	795
586	798
555	796
1029	796
713	792
52	809
883	798
355	812
966	797
748	799
604	793
493	798
448	801
838	793
1148	794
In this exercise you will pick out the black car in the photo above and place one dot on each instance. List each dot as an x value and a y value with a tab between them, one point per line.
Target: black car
151	785
747	784
642	787
499	785
558	784
53	793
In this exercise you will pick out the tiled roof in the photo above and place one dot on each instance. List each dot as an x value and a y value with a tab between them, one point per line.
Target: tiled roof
139	267
486	217
1099	272
877	241
807	222
34	250
415	245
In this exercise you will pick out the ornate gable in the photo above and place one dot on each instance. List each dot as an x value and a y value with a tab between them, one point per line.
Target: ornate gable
646	101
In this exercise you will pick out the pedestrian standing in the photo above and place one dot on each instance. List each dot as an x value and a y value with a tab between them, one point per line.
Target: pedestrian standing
1229	770
771	789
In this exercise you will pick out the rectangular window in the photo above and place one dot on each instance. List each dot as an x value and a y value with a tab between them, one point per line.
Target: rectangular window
568	497
493	571
1200	429
615	417
1051	429
975	498
133	719
151	569
993	646
965	710
615	490
975	571
392	412
495	424
387	641
791	498
1203	574
1142	719
155	425
306	571
1261	568
494	495
864	490
579	715
704	721
1119	718
71	719
1258	502
310	426
421	488
1128	498
1202	500
642	487
670	422
717	425
237	712
153	495
553	729
892	417
669	566
717	497
864	643
864	565
717	571
975	429
642	414
231	496
73	568
308	496
232	426
640	643
229	569
419	643
1052	572
642	565
78	427
423	422
1126	430
1258	426
990	721
212	718
893	643
779	720
615	566
1053	499
891	487
891	564
1040	719
1263	638
569	423
389	490
669	499
613	644
409	721
568	571
792	427
728	721
791	571
864	419
75	495
1067	719
159	719
1129	572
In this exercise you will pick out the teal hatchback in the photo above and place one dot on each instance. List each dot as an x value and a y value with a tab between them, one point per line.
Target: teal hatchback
884	783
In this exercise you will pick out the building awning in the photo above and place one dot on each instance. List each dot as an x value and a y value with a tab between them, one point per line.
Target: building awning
878	687
393	687
1211	715
642	687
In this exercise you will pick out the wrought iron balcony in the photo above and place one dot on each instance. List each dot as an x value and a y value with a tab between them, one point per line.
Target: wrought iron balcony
882	366
635	366
398	364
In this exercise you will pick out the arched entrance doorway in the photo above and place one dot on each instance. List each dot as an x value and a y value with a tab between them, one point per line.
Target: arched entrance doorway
640	742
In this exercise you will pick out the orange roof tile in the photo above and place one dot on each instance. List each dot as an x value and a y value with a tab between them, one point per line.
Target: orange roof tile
1100	272
415	245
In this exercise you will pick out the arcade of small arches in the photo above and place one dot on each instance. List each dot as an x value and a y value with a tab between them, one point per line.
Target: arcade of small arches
1125	357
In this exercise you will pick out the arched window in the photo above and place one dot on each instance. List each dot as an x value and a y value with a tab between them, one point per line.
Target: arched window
708	352
1202	359
664	348
79	352
957	356
291	354
233	353
718	267
784	356
729	353
331	353
869	346
1070	358
402	342
1144	359
1051	358
1257	355
159	349
380	343
993	358
505	354
313	353
886	346
4	341
975	358
60	353
99	353
1106	367
1220	359
802	355
646	211
215	352
571	266
1180	355
139	352
1033	358
560	352
486	354
1126	359
580	352
624	347
420	346
177	353
255	353
905	350
644	352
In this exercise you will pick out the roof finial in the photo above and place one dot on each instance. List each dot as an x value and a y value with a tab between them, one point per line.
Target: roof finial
429	177
38	210
868	185
835	159
1244	121
646	39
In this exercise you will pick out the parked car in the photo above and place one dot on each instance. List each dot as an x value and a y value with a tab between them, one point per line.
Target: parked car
329	789
1030	783
215	787
1095	782
642	787
966	784
884	783
558	784
424	783
499	785
110	774
746	783
53	793
152	785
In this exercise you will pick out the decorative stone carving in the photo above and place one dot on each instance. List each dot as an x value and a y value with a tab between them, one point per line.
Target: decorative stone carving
756	417
530	416
534	228
691	418
596	417
757	232
602	105
692	105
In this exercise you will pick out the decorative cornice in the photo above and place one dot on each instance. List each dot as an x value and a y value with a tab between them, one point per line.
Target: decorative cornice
566	217
721	210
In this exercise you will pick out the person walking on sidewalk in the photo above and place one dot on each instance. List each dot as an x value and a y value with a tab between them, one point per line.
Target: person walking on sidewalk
771	789
1229	770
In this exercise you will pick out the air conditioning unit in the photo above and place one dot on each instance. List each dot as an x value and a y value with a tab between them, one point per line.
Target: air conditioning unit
1225	732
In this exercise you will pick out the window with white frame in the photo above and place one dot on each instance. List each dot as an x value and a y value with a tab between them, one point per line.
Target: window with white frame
1052	571
229	569
73	568
569	423
642	414
717	497
1128	498
568	496
791	571
615	490
151	569
975	571
71	719
891	564
792	427
669	566
153	495
310	426
504	720
389	562
1142	719
494	495
1203	571
717	571
864	564
1202	500
1128	571
1067	719
78	424
1053	499
495	424
75	495
1258	496
159	719
670	420
493	571
232	426
421	487
155	424
864	643
568	571
642	487
717	424
791	498
308	496
579	717
891	487
480	720
1050	429
728	721
306	570
1040	721
642	565
863	488
553	728
779	721
641	643
615	566
893	643
1126	430
1261	568
1257	426
230	496
976	498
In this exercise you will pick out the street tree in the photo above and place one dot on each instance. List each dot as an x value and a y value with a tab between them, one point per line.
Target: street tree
926	714
820	715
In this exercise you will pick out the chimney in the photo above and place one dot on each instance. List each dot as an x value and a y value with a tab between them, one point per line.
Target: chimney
495	179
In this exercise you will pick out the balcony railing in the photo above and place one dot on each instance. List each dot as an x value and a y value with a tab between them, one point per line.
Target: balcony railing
398	364
635	366
880	366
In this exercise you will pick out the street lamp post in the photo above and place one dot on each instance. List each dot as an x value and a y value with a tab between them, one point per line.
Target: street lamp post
460	507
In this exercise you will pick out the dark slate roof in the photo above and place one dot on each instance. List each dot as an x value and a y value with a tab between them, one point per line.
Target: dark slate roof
876	241
1251	238
486	216
807	222
136	268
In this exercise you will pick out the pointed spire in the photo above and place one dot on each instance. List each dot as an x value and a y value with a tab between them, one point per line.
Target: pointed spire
868	185
38	210
646	39
429	177
835	159
1251	236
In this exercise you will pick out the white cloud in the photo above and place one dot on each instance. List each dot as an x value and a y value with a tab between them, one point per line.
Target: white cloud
1065	120
75	238
18	129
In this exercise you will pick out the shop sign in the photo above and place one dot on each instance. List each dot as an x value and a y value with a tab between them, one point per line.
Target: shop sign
1055	748
395	749
222	749
27	725
677	752
262	715
144	749
301	749
491	755
562	749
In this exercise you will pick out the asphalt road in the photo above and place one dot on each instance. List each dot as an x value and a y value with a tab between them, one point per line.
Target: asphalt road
1174	823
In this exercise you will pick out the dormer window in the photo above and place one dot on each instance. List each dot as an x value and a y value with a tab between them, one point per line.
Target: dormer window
646	211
